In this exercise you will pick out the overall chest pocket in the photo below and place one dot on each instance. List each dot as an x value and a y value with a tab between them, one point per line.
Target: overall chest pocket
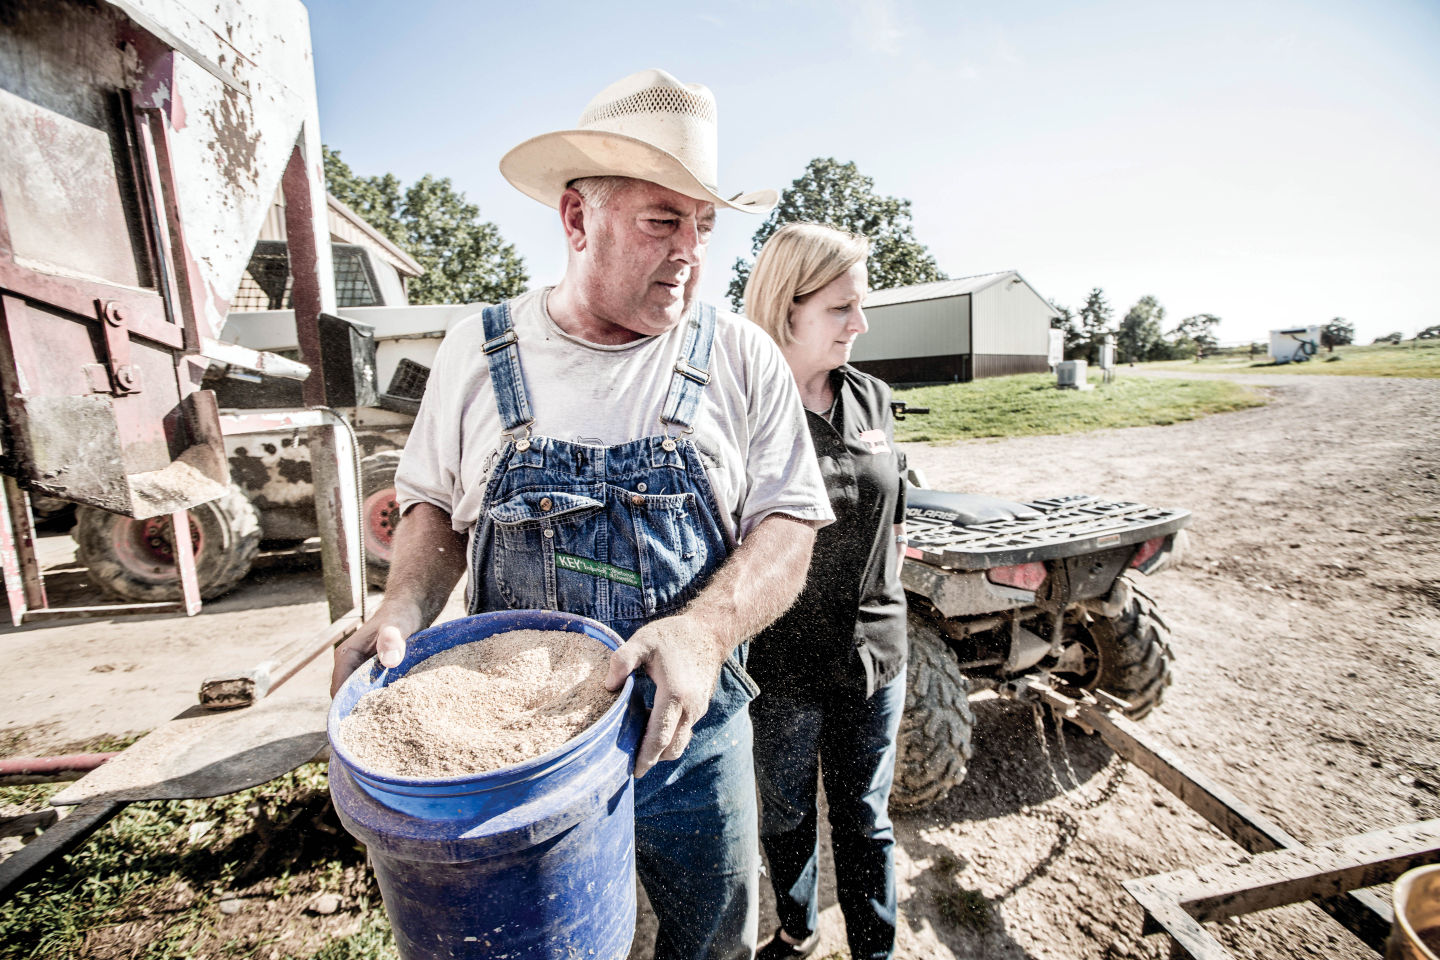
667	546
535	527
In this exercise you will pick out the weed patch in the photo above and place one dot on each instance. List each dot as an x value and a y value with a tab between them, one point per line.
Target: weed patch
965	908
150	883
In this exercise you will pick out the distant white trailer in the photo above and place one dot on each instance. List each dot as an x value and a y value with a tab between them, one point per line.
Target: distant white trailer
1295	345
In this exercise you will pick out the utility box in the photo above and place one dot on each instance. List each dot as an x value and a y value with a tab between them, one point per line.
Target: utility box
1295	345
1072	375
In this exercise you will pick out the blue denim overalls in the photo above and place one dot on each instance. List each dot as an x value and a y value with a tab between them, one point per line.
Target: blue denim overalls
627	534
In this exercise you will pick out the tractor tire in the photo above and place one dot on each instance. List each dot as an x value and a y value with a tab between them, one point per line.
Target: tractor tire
933	746
379	513
134	559
1132	645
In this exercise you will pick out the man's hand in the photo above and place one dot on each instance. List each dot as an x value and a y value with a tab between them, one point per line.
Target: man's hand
428	560
683	654
683	657
383	634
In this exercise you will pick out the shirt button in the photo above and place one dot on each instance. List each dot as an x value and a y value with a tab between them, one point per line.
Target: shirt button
636	499
546	503
549	534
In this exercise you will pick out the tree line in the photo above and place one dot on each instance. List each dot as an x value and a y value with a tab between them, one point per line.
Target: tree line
1141	334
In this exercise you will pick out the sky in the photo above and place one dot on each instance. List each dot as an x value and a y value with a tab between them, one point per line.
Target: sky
1274	164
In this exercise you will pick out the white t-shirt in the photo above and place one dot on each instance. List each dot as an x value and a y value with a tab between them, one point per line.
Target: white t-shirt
750	428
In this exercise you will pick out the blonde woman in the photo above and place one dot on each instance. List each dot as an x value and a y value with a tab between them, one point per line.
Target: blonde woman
832	670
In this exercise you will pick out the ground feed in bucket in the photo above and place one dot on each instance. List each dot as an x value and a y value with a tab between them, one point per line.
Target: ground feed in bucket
482	706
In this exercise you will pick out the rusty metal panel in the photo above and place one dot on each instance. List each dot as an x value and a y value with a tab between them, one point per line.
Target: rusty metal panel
64	131
144	141
74	433
63	64
230	140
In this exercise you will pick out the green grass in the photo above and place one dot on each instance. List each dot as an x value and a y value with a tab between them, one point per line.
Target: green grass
1030	404
149	882
1409	359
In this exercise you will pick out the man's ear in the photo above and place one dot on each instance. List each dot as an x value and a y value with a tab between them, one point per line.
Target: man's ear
572	218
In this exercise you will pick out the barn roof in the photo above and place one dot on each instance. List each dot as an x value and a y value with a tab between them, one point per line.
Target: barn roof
939	289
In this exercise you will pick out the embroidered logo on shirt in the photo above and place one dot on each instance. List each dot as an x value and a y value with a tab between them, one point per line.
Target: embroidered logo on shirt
597	569
875	440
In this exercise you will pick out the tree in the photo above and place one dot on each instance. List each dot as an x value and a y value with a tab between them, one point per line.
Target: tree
1140	336
1196	334
465	258
1337	333
1429	333
1394	338
1066	321
838	194
1094	325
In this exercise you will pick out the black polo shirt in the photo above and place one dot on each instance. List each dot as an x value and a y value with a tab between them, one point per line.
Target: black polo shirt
846	632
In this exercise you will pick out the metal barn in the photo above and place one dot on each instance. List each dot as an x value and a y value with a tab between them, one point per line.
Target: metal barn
989	325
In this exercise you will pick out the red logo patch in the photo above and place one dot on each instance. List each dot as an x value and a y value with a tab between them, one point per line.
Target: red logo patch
875	440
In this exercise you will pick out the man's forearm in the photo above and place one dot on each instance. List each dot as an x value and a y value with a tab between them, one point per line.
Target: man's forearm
758	582
428	561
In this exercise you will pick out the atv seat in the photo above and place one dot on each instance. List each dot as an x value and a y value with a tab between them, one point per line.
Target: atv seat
964	508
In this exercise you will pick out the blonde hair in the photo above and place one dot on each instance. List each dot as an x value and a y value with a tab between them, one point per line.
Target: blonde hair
799	259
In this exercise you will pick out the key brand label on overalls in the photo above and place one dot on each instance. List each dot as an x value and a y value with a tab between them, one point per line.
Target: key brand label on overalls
597	569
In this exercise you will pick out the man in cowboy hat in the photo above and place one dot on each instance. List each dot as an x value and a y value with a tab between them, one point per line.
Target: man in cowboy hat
615	448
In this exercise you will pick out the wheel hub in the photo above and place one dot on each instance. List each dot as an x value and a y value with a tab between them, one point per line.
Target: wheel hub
147	547
382	516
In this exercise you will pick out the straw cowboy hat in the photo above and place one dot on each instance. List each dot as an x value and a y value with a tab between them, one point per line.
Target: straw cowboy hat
649	126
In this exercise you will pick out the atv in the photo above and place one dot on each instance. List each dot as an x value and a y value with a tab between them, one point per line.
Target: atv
1000	590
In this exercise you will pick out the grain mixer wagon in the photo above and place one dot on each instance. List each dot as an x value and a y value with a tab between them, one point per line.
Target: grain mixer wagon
145	140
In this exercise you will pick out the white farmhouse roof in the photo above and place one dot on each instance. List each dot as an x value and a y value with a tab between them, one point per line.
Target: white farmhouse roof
939	289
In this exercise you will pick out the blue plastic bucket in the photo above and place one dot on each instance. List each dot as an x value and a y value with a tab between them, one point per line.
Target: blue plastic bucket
535	860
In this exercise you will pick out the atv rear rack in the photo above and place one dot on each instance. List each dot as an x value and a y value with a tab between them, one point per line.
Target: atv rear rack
1068	526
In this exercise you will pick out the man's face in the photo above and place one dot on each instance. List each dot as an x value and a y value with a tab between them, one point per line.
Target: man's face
643	253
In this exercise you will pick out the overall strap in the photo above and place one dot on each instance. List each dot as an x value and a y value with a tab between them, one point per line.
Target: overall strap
503	354
692	370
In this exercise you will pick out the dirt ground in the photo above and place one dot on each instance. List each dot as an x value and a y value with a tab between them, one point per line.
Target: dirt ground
1306	626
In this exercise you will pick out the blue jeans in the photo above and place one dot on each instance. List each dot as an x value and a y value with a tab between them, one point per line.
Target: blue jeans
850	741
696	844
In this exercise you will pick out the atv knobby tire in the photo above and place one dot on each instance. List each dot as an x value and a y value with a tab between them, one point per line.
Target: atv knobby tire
134	559
379	513
1133	647
933	746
